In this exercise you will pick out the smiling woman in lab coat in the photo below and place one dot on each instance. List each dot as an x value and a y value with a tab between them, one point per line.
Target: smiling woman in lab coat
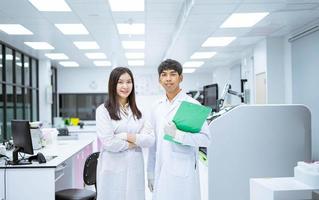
123	132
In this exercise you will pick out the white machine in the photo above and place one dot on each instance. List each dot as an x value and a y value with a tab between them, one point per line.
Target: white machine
36	135
252	141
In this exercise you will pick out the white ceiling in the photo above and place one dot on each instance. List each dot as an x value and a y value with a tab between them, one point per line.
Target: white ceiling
167	29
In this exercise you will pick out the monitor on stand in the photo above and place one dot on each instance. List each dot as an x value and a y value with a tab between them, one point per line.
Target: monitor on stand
21	140
211	96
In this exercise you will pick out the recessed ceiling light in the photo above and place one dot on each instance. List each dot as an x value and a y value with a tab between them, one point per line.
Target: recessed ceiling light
57	56
242	20
72	29
126	5
218	41
203	55
133	44
189	70
95	55
69	64
193	64
135	62
86	45
131	29
49	5
15	29
134	55
39	45
102	63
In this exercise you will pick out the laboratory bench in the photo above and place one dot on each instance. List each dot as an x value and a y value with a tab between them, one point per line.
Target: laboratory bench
63	169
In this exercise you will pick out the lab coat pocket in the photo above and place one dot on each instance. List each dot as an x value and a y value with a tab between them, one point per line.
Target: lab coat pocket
180	164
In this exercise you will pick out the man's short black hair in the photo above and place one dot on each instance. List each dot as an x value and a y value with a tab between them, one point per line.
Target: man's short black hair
170	64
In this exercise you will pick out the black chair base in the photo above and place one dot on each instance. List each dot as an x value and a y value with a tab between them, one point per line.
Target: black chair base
75	194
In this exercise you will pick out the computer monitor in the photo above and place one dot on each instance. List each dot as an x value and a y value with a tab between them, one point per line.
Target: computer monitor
211	96
21	140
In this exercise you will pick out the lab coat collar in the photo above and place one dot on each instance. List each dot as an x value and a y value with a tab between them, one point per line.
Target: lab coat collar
175	102
129	112
178	97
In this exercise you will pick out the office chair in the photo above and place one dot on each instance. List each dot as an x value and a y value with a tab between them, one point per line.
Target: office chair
89	177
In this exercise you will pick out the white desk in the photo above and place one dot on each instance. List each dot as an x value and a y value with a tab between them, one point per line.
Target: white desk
40	181
287	188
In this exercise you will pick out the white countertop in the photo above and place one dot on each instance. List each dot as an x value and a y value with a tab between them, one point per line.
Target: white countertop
63	150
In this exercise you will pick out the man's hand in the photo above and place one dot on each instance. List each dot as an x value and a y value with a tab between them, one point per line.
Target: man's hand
131	145
150	183
170	129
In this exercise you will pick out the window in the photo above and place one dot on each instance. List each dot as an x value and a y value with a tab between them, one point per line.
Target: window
19	90
82	106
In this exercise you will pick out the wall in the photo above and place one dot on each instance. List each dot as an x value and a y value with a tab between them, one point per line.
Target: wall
82	80
235	76
260	57
247	72
44	83
305	70
148	90
275	70
221	76
287	70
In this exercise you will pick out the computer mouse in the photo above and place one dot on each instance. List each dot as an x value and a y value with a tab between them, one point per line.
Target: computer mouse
41	158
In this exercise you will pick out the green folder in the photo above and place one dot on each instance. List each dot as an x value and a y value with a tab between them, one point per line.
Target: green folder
190	118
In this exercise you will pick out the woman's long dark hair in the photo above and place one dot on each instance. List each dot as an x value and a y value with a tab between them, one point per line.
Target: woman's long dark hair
112	104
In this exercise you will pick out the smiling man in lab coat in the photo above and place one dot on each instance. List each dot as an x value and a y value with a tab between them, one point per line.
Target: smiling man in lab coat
172	168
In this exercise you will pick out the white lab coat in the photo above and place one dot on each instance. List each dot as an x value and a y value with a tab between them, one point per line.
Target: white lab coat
174	166
120	171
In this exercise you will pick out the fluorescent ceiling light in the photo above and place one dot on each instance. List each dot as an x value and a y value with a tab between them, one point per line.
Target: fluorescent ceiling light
134	55
69	63
86	45
15	29
133	44
203	55
39	45
72	29
242	20
57	56
126	5
135	62
193	64
102	63
95	55
218	41
131	29
51	5
189	70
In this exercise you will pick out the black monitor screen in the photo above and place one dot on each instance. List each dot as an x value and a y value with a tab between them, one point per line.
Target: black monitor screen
21	136
211	96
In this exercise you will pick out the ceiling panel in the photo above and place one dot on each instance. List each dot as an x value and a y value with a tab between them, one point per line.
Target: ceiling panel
160	18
